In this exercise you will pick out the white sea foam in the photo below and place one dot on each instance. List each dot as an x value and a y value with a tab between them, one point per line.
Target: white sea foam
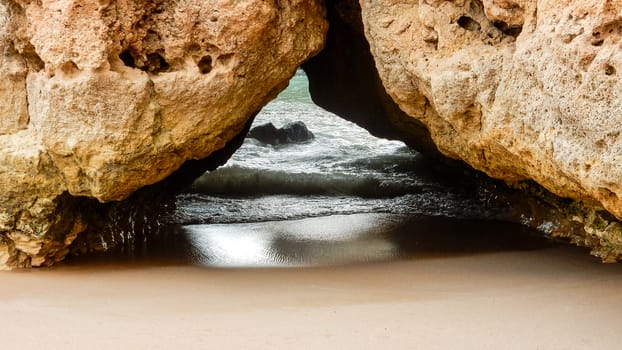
344	170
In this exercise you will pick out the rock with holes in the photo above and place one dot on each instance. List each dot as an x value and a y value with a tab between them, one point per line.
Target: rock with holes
100	98
519	89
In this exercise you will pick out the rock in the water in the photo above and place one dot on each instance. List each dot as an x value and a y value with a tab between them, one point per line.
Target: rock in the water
100	98
295	132
266	133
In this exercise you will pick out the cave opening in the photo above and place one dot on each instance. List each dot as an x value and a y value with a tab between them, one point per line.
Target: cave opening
335	195
283	202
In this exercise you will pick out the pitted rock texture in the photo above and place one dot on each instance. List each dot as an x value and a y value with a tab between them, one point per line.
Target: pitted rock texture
519	89
101	98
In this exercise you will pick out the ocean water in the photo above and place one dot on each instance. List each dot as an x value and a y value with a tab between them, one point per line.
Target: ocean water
344	170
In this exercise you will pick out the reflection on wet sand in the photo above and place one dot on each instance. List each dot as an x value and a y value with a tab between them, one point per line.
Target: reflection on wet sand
335	240
294	244
486	283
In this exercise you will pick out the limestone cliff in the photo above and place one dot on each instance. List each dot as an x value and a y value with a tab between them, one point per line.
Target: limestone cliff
519	89
100	98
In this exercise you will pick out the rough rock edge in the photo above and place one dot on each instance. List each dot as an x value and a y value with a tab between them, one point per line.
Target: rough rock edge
580	223
422	52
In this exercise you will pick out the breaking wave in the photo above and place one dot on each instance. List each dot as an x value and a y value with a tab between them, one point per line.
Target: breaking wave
344	171
242	181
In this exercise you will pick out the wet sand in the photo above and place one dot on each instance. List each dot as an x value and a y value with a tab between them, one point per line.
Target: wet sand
528	296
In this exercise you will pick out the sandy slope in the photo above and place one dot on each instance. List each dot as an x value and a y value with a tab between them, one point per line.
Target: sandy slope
554	298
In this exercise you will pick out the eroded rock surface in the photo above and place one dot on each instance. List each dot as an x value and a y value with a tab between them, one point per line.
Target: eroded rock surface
519	89
101	98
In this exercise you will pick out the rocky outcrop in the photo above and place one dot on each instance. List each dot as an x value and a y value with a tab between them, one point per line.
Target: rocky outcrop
101	98
519	89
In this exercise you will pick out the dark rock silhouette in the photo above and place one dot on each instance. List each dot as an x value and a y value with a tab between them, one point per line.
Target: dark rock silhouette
295	132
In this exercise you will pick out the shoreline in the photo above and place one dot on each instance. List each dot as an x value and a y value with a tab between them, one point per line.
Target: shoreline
334	240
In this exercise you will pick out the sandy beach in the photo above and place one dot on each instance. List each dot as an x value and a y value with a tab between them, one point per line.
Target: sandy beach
554	297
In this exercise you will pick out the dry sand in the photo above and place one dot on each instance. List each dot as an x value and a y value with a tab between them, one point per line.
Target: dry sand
552	298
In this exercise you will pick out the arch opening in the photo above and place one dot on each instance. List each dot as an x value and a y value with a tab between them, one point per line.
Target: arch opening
340	196
288	182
